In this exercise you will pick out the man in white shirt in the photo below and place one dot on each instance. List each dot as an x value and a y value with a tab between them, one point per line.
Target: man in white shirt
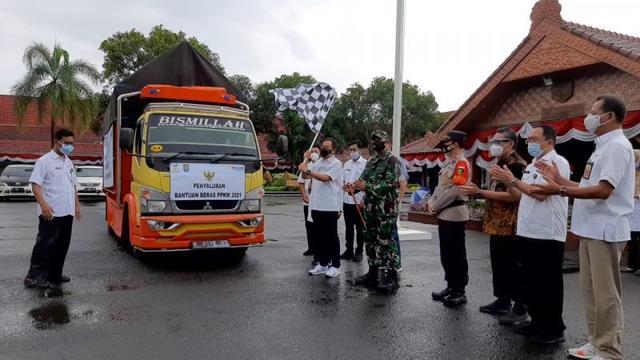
542	231
305	189
352	170
325	204
54	186
601	211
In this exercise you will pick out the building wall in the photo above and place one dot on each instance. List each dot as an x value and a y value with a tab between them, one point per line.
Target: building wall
536	104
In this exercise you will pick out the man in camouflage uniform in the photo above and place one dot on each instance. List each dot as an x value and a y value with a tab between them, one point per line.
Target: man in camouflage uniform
380	183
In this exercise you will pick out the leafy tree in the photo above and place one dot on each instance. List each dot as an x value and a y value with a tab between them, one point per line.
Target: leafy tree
126	52
57	85
361	111
244	84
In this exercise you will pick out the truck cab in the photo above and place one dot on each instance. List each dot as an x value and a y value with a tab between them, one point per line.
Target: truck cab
188	173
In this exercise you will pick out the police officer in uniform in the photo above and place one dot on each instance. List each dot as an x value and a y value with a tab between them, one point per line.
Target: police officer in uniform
452	212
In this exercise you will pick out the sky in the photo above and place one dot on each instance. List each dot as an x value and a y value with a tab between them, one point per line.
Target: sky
451	46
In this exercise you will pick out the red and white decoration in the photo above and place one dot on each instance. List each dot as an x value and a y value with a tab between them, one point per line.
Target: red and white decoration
477	144
31	159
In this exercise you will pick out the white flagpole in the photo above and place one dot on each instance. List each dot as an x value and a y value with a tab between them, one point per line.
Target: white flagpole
397	79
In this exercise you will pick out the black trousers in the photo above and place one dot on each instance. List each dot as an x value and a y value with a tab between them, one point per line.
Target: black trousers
453	253
325	228
50	250
352	220
633	259
542	273
308	226
506	264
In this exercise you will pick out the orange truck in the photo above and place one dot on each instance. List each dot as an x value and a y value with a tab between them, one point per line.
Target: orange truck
183	172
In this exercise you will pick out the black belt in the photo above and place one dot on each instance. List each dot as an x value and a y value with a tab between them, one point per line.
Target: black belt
453	204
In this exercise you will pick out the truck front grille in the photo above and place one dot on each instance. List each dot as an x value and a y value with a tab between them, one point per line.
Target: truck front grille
206	204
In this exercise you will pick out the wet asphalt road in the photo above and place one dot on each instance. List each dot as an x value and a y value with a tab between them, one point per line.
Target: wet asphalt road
264	307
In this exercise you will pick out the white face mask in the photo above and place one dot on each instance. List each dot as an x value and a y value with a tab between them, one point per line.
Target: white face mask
496	150
592	122
355	155
314	156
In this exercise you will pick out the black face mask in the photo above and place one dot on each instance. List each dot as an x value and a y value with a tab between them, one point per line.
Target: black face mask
446	148
325	152
377	145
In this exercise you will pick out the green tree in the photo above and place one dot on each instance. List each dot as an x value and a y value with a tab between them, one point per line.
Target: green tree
57	85
244	84
360	111
126	52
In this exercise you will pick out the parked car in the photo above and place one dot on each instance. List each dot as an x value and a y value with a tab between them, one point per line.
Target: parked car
14	182
89	181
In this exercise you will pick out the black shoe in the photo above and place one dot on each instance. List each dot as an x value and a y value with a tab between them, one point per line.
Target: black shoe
357	257
512	318
347	255
455	298
308	252
440	295
387	280
547	339
314	262
525	328
29	283
53	291
369	279
64	279
498	307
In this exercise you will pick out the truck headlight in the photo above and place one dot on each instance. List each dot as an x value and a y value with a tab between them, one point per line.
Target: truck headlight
251	205
3	184
162	225
152	201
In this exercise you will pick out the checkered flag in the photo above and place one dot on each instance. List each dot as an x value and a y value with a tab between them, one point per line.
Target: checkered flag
312	101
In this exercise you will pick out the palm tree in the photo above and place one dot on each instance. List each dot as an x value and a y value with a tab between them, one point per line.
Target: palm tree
58	85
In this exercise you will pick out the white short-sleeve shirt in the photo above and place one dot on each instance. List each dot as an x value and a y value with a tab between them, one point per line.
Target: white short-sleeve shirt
352	171
546	219
57	177
327	195
612	161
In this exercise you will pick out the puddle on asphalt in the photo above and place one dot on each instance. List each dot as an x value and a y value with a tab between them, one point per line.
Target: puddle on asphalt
50	315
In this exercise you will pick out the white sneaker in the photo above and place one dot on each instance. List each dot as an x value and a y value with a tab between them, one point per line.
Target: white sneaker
332	272
586	351
319	270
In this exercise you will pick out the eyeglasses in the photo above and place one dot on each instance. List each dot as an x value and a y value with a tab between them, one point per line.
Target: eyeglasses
535	141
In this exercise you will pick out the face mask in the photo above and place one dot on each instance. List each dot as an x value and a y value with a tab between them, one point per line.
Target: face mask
324	152
446	148
66	148
592	122
314	156
378	146
496	150
355	155
534	149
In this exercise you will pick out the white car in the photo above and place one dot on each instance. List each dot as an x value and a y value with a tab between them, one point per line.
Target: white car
14	182
89	181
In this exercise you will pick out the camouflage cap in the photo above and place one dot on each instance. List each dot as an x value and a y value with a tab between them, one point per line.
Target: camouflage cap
382	135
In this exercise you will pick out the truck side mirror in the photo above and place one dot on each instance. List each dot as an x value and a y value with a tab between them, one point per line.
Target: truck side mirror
282	145
126	139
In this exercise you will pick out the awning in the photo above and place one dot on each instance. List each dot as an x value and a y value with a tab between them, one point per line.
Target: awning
477	144
31	158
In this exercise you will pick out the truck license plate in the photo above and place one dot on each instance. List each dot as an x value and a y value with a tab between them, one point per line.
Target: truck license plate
210	244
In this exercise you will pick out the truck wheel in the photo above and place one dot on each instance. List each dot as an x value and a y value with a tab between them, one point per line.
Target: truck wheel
111	232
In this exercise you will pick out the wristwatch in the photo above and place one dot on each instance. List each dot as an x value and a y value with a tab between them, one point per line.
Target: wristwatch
308	172
513	182
563	191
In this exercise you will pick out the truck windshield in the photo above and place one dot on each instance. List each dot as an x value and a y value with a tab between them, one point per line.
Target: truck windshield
17	171
202	134
89	172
